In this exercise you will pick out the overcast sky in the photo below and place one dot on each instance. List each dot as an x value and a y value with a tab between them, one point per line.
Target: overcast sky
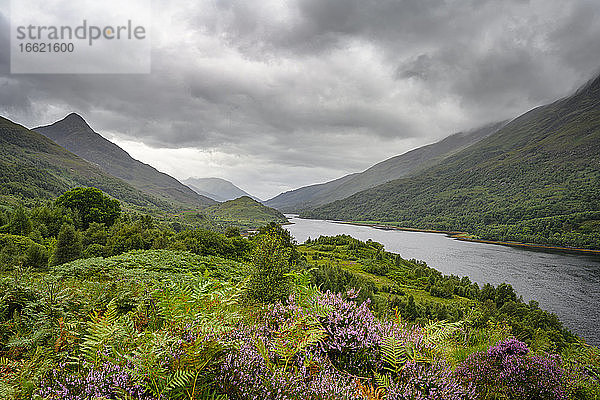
275	94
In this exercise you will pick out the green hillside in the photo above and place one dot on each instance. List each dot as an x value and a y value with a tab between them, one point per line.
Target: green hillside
393	168
536	180
352	320
244	212
32	167
75	135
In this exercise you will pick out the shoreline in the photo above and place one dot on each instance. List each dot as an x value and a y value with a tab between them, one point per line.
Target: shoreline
459	236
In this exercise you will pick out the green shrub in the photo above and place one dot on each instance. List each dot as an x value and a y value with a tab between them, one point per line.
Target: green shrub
37	256
269	280
94	250
13	250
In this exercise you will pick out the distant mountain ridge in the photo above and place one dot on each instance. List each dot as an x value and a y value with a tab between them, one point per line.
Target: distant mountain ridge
535	180
75	135
33	167
393	168
217	189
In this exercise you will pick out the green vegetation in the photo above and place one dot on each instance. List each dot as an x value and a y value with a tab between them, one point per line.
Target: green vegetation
68	246
173	324
420	293
244	212
90	205
535	180
99	303
84	222
270	270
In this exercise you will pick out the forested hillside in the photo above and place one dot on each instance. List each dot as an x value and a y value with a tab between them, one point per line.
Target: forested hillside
244	212
535	180
396	167
33	168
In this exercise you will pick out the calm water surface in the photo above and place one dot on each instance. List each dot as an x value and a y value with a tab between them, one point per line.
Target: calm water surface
563	283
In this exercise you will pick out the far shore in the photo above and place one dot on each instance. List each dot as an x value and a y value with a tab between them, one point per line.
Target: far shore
464	236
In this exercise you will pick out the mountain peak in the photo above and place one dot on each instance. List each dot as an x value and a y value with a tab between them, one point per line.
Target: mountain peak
217	189
73	116
74	120
74	134
64	129
591	86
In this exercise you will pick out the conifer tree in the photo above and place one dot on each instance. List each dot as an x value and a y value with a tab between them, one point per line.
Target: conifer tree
68	246
19	222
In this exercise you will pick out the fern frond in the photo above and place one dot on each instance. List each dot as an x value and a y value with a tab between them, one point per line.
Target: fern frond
382	380
296	336
178	381
368	392
394	354
101	330
264	353
440	331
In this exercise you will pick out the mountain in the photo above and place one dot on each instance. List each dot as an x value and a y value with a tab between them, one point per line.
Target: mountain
537	179
393	168
33	167
74	134
216	188
244	212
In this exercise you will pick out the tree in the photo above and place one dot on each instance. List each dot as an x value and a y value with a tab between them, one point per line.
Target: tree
19	222
68	246
232	231
411	309
488	292
504	294
10	255
269	280
95	234
284	236
91	205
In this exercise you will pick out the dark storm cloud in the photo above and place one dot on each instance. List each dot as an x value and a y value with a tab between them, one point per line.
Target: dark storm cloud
307	90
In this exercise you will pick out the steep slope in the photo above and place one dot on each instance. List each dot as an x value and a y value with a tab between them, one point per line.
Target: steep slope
34	167
301	198
244	212
216	188
74	134
385	171
537	180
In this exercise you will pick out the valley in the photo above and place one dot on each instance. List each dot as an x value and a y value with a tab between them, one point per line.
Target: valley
464	269
300	200
563	283
535	180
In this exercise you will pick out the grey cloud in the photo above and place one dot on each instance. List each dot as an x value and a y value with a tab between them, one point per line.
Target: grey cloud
575	39
313	89
4	44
